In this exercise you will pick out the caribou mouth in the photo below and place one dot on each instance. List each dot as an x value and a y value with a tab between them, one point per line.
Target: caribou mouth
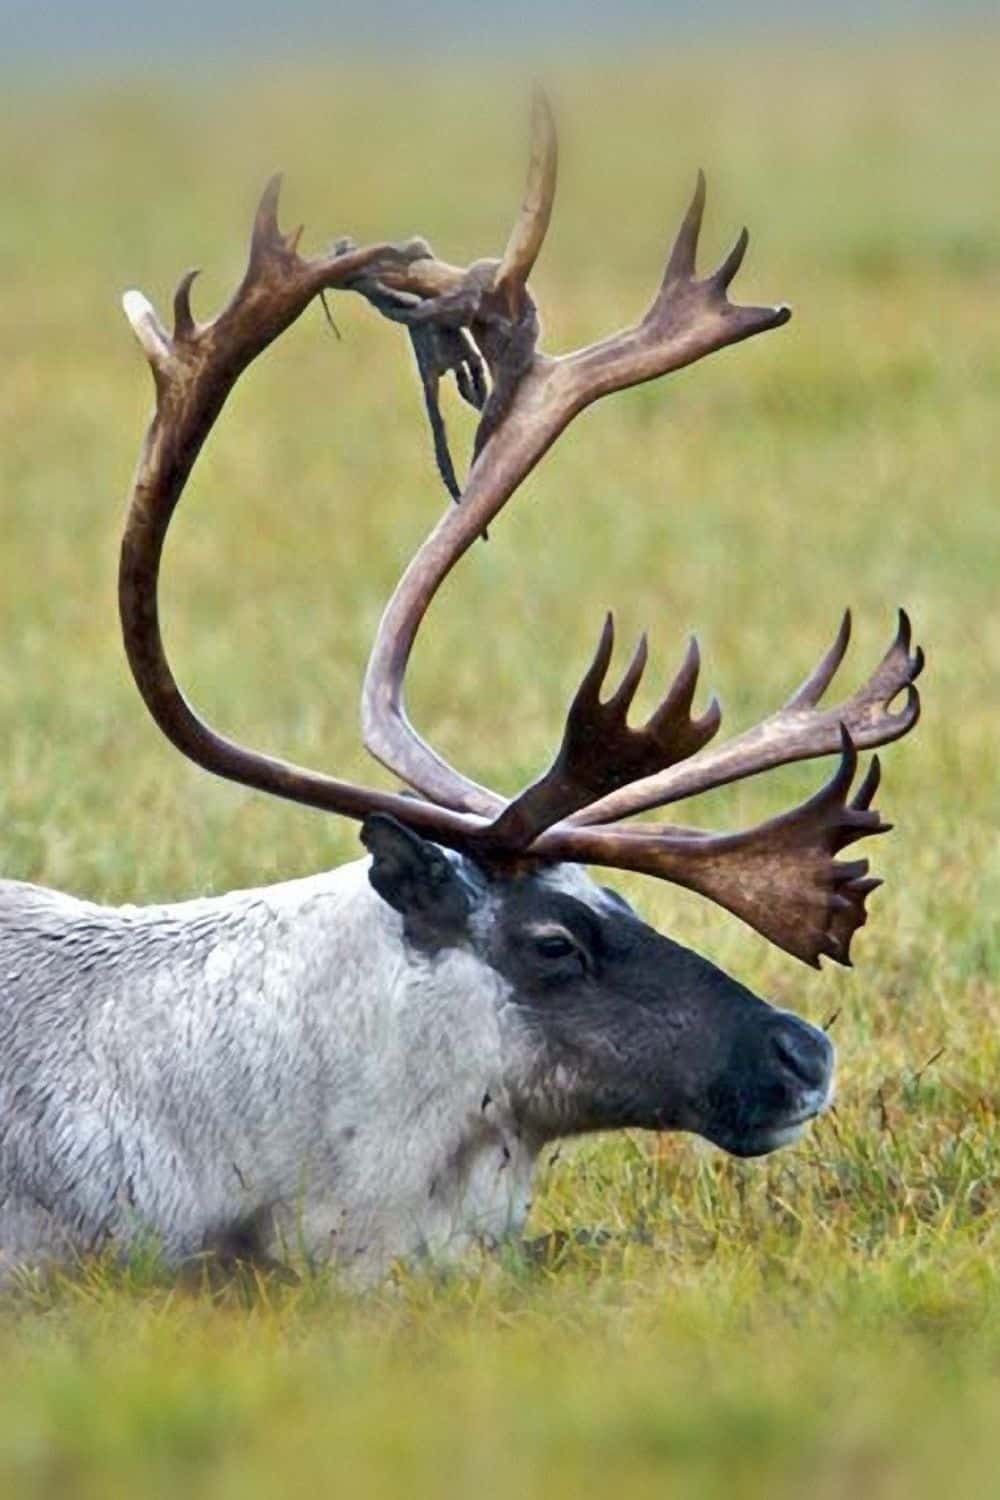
762	1140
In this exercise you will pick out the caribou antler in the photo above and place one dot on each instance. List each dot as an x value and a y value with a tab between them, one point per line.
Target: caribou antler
781	877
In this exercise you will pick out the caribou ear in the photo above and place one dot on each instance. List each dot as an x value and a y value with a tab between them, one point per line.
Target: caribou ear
417	880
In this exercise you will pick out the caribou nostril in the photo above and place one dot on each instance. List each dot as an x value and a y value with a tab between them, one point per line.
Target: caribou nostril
803	1052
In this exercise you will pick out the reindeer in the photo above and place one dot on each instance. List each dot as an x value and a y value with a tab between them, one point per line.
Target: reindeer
365	1064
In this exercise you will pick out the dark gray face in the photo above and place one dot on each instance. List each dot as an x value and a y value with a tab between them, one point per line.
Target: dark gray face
621	1026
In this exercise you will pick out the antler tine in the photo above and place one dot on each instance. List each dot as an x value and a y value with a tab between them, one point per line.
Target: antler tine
723	276
681	261
677	704
897	670
809	692
266	239
622	698
600	751
546	801
532	223
799	731
184	323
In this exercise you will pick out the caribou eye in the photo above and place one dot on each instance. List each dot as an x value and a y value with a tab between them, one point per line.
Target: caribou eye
554	945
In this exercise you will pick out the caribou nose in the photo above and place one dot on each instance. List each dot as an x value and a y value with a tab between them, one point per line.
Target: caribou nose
802	1052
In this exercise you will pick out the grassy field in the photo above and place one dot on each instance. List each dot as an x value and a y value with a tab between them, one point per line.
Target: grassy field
826	1322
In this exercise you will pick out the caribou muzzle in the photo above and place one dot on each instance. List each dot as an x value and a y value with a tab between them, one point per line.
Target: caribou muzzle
779	1077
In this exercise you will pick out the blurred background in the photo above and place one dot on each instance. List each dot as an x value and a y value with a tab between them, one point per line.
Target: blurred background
113	32
831	1313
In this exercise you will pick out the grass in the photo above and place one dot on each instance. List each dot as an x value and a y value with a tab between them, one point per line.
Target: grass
826	1321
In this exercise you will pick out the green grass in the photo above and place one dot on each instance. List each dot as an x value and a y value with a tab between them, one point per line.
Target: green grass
825	1322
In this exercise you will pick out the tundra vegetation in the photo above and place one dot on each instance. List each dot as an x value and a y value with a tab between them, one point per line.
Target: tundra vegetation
826	1318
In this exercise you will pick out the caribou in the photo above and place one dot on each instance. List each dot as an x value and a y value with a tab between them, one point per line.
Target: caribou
364	1065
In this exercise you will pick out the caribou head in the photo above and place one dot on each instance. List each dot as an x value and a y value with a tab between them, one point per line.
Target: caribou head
605	1021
